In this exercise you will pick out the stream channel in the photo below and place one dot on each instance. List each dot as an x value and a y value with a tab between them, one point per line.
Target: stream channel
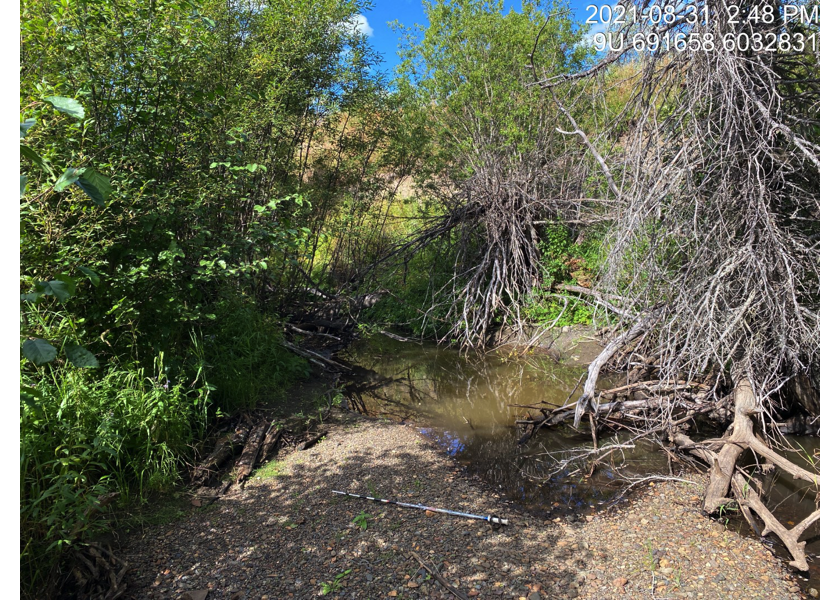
464	404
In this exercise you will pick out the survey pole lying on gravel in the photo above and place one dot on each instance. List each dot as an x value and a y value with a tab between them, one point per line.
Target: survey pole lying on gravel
488	518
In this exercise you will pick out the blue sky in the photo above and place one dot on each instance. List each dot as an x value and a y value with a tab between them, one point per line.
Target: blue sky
408	12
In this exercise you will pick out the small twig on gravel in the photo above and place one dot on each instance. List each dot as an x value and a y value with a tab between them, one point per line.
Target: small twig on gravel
438	576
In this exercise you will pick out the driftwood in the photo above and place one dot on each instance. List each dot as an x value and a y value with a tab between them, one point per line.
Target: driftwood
224	450
314	357
629	400
587	399
272	436
311	333
305	445
256	444
246	462
98	573
723	475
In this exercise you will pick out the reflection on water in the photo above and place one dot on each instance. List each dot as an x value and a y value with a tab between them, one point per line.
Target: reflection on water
466	406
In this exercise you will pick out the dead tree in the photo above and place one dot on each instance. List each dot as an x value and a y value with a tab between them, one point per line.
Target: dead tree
713	163
497	170
493	217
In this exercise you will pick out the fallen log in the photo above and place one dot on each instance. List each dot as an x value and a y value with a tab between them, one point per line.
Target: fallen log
311	333
587	399
560	414
314	357
98	573
226	447
307	444
272	436
246	461
723	475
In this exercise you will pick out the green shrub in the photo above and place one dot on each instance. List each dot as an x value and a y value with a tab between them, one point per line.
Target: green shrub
243	358
565	261
410	306
544	310
568	261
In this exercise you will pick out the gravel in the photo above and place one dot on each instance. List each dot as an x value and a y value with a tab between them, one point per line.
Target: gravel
287	536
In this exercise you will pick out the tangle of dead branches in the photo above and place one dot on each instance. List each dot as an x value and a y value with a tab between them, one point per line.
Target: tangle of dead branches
714	163
490	223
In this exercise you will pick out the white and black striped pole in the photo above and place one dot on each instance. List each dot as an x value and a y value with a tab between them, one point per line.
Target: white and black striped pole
488	518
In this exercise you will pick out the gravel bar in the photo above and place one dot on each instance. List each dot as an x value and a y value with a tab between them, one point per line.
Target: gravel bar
285	535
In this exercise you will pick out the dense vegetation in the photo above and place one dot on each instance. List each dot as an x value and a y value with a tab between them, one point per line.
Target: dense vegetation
184	163
194	172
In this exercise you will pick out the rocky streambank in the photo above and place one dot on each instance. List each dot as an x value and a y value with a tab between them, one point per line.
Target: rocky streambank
285	535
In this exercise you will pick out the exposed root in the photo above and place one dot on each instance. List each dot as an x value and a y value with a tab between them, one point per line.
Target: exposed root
723	475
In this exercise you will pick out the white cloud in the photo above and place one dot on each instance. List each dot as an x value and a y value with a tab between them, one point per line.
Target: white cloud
360	24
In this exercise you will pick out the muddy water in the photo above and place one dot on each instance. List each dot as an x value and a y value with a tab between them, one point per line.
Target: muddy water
467	405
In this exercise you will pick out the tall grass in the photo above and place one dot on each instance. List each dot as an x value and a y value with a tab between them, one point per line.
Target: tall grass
128	429
87	435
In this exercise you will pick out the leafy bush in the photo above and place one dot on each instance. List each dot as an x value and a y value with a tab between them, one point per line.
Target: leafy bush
83	436
568	261
412	305
565	261
544	310
243	355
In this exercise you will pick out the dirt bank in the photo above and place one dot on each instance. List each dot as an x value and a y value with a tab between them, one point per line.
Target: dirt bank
287	536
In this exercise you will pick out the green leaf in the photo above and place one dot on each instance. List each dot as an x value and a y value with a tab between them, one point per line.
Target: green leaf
67	105
34	157
28	395
24	127
31	391
91	275
80	356
32	297
69	282
22	185
69	177
55	288
39	351
95	185
252	167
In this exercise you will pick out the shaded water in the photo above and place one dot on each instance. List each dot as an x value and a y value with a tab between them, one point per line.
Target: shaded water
466	405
